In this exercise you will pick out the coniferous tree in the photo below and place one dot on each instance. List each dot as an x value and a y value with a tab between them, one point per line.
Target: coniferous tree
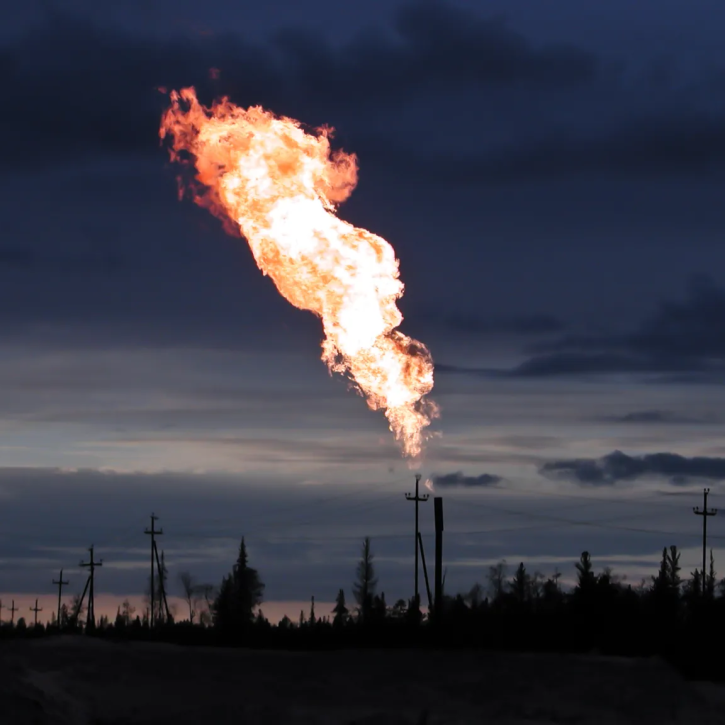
366	583
661	582
312	620
240	592
285	623
340	611
586	578
379	608
520	584
693	588
673	569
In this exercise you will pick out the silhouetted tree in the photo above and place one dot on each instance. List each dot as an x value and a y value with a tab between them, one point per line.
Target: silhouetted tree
312	620
536	586
65	616
285	623
340	611
693	588
497	579
77	609
204	603
551	592
399	610
475	596
189	590
240	592
364	587
586	579
379	609
520	584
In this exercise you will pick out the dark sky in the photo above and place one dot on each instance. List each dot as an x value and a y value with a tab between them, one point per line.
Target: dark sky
551	176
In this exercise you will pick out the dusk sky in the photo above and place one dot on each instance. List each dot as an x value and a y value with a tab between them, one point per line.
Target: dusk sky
552	177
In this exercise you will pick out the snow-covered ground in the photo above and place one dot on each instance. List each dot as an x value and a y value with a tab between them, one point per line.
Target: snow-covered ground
79	681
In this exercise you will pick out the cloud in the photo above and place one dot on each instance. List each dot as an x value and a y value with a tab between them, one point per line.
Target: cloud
85	90
538	324
683	143
618	466
458	479
658	416
682	339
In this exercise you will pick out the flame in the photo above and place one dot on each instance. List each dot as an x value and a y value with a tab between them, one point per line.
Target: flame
279	185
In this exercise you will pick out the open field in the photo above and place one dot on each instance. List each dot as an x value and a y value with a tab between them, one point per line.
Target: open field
86	681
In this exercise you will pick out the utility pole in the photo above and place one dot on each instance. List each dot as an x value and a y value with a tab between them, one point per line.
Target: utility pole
36	610
704	513
13	609
92	565
162	588
438	601
425	572
154	558
417	499
1	611
60	584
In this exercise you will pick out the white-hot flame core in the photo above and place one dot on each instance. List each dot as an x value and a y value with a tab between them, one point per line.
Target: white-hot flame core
280	185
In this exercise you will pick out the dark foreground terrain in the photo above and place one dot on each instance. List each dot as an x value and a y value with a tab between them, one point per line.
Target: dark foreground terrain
90	681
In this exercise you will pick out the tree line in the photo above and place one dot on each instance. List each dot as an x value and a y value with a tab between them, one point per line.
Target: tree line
667	615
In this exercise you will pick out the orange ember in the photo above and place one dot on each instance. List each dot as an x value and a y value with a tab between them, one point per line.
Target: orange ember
278	185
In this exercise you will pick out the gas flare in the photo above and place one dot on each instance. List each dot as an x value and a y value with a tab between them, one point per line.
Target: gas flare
280	186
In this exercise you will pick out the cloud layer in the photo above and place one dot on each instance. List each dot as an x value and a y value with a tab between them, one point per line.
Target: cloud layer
87	90
459	479
618	466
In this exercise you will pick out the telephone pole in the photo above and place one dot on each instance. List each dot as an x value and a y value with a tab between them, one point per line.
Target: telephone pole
92	565
36	609
438	601
704	513
13	609
154	560
60	584
417	499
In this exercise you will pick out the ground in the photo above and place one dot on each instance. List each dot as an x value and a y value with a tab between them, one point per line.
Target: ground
82	681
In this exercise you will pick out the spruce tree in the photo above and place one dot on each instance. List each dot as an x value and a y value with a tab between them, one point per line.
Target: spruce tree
340	611
364	588
240	592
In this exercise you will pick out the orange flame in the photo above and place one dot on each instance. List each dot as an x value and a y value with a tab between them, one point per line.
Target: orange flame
278	185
